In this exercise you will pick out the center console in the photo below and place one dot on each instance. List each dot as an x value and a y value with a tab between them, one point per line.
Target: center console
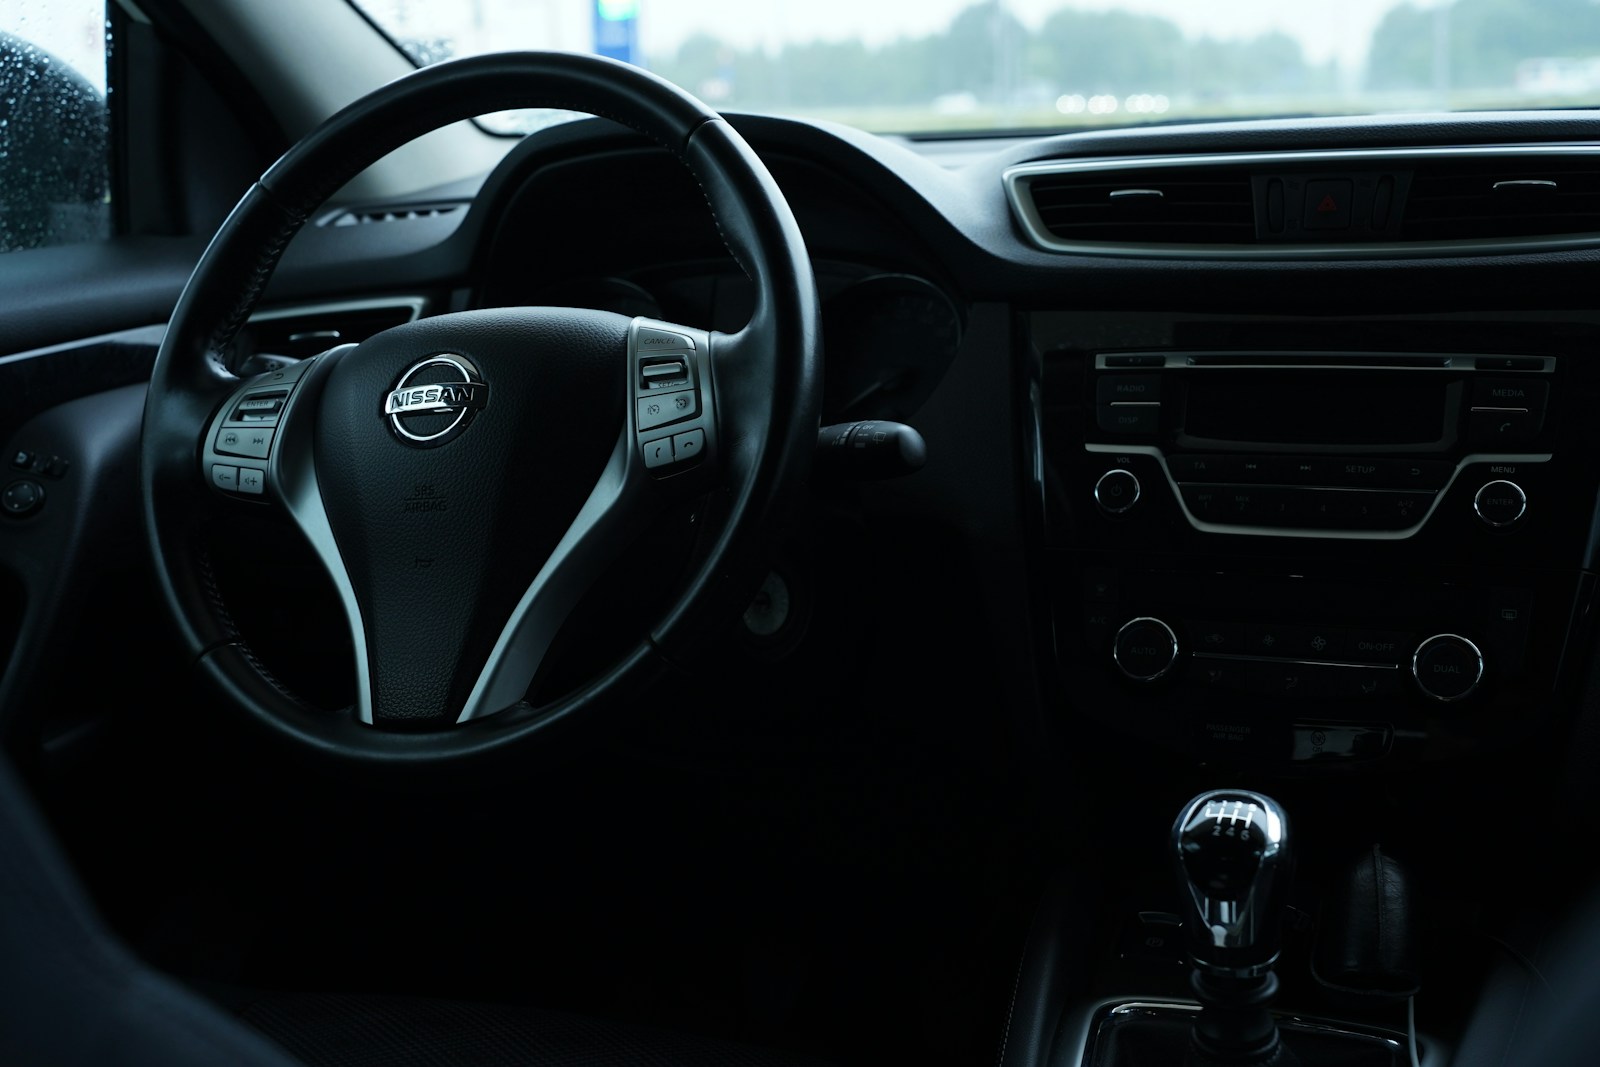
1317	555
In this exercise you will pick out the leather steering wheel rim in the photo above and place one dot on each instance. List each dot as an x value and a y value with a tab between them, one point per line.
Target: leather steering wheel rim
763	423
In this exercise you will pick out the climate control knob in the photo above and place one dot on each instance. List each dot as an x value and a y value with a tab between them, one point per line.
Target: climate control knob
1145	649
1116	491
1500	504
1447	667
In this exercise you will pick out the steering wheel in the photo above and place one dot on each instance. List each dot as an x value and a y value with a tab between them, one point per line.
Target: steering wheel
465	478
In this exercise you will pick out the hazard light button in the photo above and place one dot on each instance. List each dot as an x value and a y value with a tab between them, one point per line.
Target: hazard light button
1328	205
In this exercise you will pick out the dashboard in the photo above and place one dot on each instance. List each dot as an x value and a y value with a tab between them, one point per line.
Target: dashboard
1296	409
1286	417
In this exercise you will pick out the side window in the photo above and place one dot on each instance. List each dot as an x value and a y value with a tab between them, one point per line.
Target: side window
55	185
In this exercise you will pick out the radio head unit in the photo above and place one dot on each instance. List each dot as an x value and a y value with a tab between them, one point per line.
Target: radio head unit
1319	443
1322	401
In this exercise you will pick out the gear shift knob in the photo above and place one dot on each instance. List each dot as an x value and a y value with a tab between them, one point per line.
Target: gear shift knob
1232	852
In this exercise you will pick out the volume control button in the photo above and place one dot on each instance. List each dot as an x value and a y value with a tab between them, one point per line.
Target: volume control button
1116	492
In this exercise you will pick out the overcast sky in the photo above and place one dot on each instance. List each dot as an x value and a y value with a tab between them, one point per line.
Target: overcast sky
1325	28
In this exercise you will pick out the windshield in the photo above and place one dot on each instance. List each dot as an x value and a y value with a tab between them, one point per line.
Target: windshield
929	66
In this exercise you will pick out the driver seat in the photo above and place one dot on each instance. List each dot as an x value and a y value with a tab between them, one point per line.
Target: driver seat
72	994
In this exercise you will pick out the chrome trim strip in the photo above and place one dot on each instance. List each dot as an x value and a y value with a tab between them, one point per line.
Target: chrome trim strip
293	475
1079	1025
527	635
1155	453
1018	179
335	307
149	336
1316	360
1234	657
609	517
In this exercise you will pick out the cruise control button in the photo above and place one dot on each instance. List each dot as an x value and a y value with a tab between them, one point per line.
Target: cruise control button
660	409
650	339
687	446
245	441
658	453
664	374
225	477
252	480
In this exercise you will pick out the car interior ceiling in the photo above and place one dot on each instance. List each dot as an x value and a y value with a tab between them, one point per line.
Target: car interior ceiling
1308	529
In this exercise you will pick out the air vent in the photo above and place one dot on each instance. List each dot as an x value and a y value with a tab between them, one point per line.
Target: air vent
1526	196
294	333
365	216
1167	205
1314	204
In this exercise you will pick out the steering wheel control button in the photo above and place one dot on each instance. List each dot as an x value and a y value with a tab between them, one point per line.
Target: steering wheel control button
1447	667
245	441
667	407
1116	492
22	497
225	477
259	408
1500	504
22	459
664	374
687	446
1145	649
658	453
648	340
252	480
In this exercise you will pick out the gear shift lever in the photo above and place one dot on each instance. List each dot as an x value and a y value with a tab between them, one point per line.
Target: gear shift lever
1233	860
